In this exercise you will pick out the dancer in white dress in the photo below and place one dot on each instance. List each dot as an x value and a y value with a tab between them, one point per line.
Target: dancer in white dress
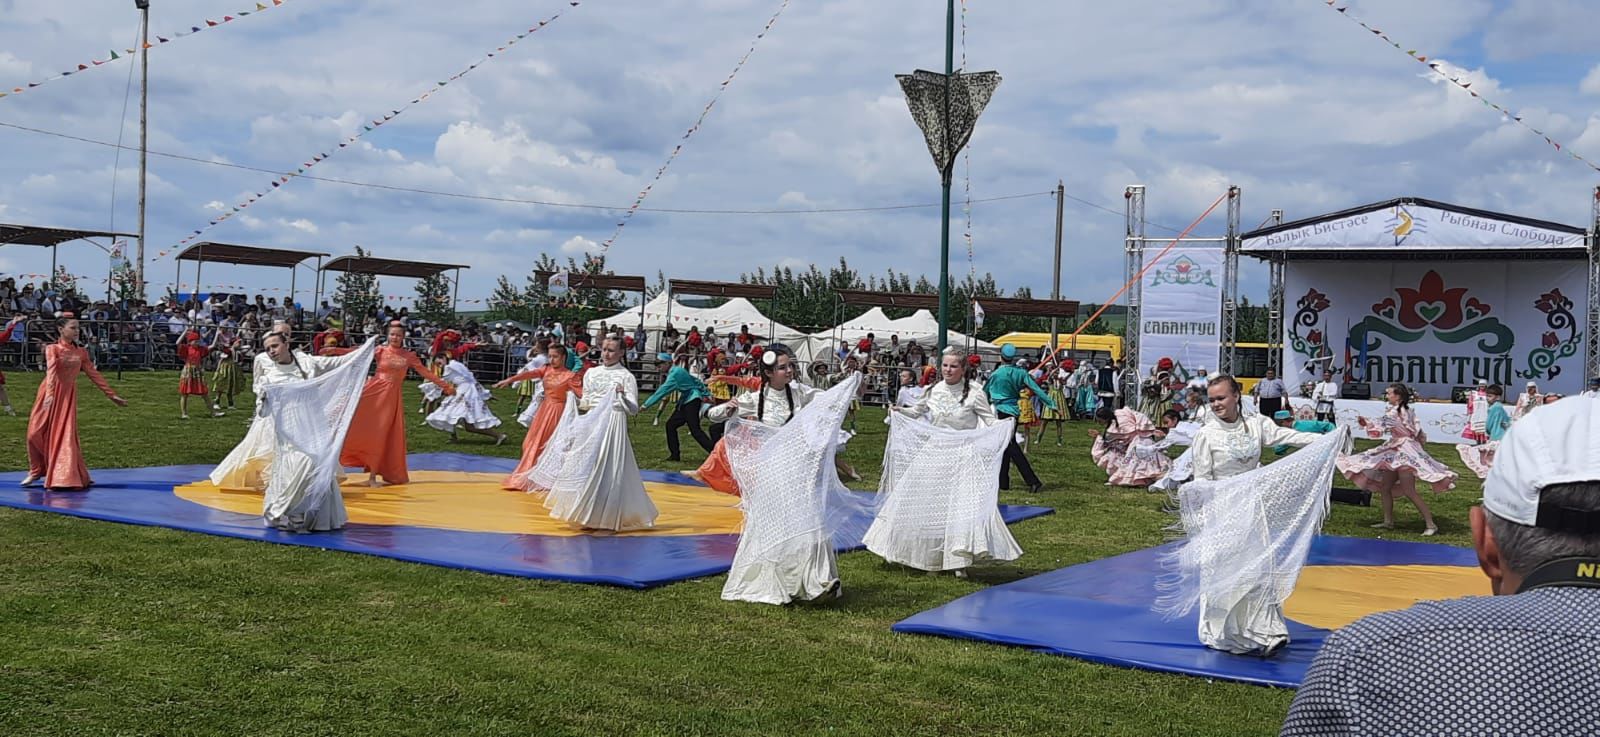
310	418
245	466
780	449
588	468
1248	531
467	408
940	488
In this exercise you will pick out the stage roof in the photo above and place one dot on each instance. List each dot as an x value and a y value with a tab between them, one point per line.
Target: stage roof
389	267
229	253
12	234
1412	227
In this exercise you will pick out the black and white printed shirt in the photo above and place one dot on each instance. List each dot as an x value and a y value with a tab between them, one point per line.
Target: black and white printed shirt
1527	664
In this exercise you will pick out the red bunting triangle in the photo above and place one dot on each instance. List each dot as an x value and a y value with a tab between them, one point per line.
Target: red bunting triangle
211	24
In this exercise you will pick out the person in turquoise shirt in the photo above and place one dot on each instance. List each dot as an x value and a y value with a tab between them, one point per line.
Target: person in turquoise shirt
1285	419
1499	420
691	392
1005	389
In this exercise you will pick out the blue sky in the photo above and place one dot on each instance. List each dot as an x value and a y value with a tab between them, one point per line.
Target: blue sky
1301	108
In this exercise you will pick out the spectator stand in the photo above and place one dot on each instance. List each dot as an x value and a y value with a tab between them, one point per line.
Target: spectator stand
728	290
881	386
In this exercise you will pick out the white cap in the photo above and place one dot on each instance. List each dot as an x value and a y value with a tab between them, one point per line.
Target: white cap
1558	444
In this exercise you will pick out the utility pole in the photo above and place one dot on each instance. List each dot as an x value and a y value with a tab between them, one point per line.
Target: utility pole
144	126
945	177
1055	286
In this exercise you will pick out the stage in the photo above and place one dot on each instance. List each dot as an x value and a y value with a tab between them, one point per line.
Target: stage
1102	611
452	514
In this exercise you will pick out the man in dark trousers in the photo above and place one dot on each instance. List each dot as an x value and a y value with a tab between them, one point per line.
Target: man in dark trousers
1005	388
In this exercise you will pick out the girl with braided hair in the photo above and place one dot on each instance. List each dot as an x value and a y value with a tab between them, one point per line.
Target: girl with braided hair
772	402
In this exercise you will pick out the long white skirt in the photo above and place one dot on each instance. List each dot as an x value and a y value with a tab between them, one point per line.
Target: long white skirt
599	487
1243	621
469	404
801	568
940	492
292	503
246	466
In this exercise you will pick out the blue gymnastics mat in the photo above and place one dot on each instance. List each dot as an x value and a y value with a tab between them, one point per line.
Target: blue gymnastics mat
1102	611
146	496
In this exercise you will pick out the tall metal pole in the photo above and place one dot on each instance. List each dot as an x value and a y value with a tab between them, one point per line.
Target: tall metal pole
949	167
1055	286
144	125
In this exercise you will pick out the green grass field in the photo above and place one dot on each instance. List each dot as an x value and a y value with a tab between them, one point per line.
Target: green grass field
109	629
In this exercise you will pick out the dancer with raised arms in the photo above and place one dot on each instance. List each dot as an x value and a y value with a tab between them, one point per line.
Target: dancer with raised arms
55	455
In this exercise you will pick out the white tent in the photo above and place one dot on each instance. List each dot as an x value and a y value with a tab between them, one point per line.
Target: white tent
921	327
727	317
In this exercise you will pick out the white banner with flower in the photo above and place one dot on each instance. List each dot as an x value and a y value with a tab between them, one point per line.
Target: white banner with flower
1437	325
1180	313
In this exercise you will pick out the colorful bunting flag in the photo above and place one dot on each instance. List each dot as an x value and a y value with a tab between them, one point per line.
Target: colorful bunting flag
147	45
323	156
706	111
1464	84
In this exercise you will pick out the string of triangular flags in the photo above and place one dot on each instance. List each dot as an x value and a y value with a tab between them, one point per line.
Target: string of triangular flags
643	193
966	159
366	128
1461	82
160	39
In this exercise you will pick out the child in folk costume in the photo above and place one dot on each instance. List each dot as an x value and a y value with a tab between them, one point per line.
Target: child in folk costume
5	336
589	469
538	359
558	381
1086	401
445	343
1398	464
1530	398
55	454
1477	413
466	408
192	380
941	478
1127	451
1480	458
1055	383
227	380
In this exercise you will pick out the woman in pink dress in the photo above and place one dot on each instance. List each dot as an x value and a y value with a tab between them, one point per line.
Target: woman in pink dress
55	458
1398	464
558	383
1127	450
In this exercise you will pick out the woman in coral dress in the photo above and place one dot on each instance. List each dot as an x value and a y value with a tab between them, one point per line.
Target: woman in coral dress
1397	465
558	382
377	442
55	459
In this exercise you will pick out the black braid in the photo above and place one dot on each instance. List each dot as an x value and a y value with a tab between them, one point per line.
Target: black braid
966	383
788	396
761	399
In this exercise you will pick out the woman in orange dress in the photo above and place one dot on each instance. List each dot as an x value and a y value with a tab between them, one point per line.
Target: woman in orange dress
715	472
558	383
377	441
54	457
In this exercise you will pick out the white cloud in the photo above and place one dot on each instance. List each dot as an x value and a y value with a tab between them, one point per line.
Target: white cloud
579	244
1591	82
301	224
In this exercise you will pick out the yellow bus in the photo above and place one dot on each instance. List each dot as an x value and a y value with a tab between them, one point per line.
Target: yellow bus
1093	347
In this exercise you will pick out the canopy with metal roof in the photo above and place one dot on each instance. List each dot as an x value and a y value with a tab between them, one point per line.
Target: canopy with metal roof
14	234
583	280
390	267
240	255
722	289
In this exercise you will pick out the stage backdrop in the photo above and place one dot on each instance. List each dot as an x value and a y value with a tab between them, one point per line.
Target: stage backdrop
1437	325
1180	311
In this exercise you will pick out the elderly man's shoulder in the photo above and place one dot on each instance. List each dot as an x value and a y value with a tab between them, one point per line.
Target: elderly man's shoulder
1552	611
